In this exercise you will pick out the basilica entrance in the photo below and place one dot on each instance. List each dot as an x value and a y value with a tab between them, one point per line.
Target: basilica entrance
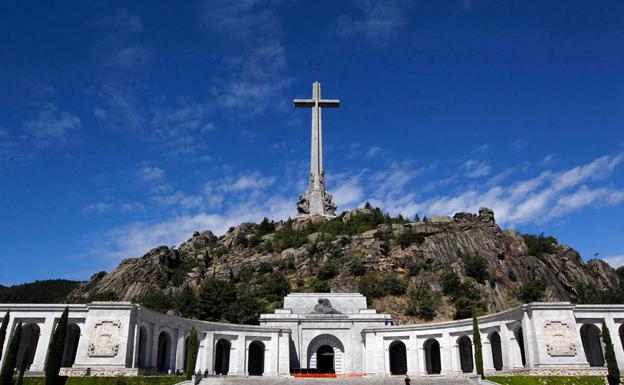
325	359
325	354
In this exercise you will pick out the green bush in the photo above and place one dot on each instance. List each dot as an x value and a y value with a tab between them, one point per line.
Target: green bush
476	267
450	283
156	300
539	245
191	353
320	286
358	268
371	286
409	237
327	271
244	310
532	291
422	301
274	287
476	338
392	284
215	295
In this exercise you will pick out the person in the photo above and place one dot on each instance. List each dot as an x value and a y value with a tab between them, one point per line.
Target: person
206	373
407	380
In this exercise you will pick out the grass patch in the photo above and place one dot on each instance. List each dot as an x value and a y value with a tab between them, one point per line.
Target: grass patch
140	380
550	380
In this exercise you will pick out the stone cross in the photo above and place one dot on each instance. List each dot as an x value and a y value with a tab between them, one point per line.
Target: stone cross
316	201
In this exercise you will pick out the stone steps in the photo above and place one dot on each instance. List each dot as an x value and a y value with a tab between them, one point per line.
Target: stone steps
393	380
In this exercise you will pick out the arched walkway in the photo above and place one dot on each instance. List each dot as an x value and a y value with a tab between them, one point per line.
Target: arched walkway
432	356
464	345
71	345
163	360
255	365
497	353
186	341
592	345
222	357
325	352
398	358
28	344
520	340
142	359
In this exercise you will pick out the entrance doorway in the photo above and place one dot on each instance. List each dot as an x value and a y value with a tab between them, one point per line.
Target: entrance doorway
325	359
398	358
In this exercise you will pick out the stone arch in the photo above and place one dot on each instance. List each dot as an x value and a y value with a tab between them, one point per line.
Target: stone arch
464	346
222	356
433	363
255	361
28	344
332	343
143	344
163	356
592	345
520	341
398	357
497	352
71	345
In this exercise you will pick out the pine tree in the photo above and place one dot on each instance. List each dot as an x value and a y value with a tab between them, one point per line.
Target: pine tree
55	350
613	375
191	353
3	329
6	374
476	339
22	370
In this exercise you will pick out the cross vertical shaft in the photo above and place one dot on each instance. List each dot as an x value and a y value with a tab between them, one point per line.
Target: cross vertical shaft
316	197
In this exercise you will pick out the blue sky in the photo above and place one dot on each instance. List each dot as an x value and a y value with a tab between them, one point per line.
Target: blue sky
124	126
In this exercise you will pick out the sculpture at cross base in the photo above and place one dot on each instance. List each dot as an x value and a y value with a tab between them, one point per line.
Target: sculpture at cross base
316	201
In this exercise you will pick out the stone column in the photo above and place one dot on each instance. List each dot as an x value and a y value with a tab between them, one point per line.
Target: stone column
180	353
447	352
47	328
506	350
454	356
137	340
422	364
616	340
283	354
206	361
488	359
412	355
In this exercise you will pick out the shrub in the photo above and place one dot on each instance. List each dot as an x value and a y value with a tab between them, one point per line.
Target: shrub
393	284
215	295
156	300
370	286
265	268
532	291
245	310
408	238
357	268
265	227
450	283
327	271
422	302
413	269
476	267
275	287
538	245
320	286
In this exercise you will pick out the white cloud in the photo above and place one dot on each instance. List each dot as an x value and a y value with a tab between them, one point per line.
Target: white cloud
121	21
109	207
130	58
378	23
242	19
348	193
150	173
476	169
53	127
615	261
548	159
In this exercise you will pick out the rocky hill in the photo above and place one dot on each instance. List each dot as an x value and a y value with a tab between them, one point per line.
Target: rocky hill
415	270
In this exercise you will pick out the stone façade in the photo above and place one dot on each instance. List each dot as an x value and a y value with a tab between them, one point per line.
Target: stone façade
121	338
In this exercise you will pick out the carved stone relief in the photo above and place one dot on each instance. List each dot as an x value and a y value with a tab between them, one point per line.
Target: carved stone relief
559	339
104	341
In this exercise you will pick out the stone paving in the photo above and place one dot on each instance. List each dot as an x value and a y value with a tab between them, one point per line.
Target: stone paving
398	380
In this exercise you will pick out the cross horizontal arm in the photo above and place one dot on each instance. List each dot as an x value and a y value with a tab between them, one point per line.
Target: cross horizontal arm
312	102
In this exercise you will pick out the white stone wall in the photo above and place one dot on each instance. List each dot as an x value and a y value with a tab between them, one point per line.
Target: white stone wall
110	341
